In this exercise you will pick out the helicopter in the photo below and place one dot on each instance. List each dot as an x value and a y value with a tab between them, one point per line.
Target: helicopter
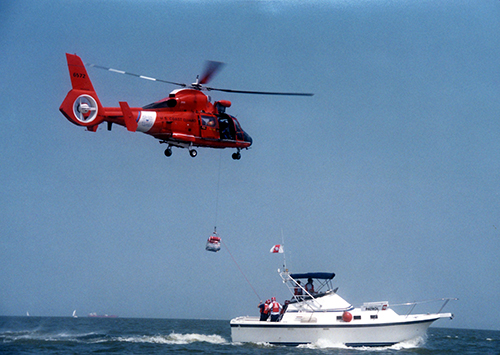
185	119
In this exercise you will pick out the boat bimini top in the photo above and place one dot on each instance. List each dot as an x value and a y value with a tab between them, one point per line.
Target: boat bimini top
313	275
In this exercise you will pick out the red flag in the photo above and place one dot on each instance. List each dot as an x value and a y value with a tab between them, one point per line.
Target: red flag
278	248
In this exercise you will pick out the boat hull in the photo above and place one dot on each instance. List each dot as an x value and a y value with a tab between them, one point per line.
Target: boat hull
245	329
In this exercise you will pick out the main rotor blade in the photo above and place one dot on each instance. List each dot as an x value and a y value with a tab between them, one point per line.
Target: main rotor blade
136	75
260	92
211	68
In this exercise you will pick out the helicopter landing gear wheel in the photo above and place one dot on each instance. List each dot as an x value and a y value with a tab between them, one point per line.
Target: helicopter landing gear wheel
168	151
193	153
236	156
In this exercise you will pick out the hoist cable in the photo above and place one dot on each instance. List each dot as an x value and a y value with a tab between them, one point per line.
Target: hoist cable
217	196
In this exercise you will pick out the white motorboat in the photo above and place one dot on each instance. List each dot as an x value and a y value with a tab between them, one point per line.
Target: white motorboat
312	317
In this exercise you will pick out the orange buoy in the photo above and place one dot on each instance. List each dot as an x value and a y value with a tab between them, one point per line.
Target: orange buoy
346	316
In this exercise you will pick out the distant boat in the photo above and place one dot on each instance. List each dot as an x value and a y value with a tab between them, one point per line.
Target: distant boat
74	314
27	314
95	315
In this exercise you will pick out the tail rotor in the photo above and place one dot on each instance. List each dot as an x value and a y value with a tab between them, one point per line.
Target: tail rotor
85	109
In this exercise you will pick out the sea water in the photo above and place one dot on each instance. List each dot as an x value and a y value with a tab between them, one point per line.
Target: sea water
53	335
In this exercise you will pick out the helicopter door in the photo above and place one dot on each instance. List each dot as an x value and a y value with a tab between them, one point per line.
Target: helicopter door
209	127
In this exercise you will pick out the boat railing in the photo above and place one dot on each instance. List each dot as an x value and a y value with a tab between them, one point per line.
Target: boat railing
414	304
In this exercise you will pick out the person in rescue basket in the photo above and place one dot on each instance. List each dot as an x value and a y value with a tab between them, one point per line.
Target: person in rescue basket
264	310
275	310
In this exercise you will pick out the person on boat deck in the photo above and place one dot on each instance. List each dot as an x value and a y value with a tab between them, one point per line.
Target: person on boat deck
297	291
310	286
275	310
264	310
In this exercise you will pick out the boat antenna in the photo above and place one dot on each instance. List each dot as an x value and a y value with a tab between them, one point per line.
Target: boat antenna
284	251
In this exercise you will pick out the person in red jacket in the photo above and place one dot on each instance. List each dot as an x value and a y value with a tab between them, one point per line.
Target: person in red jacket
275	310
264	310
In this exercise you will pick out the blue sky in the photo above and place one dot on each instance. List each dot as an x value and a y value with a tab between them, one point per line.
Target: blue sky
388	176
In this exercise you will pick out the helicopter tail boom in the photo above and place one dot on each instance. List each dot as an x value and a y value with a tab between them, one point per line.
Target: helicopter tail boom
81	105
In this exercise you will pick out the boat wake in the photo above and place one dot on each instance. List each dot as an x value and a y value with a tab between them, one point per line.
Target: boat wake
175	338
325	344
96	338
40	335
409	344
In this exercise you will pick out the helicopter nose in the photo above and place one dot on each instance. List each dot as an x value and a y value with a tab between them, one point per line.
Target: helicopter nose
247	138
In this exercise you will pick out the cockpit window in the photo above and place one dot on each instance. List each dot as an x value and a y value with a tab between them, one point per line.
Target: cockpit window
239	132
208	121
236	123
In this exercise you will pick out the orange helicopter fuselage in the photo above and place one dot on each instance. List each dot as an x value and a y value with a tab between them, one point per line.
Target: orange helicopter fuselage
186	118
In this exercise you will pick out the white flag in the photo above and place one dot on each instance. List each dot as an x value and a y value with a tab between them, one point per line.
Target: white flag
278	248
